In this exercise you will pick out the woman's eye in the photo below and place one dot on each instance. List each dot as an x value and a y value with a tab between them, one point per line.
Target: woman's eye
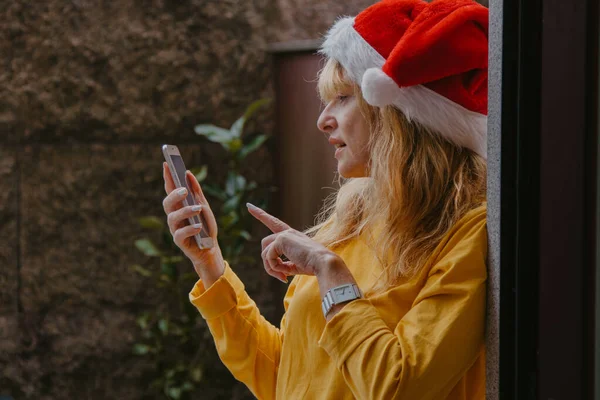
341	98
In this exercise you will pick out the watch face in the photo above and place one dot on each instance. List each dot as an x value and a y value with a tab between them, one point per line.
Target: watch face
343	293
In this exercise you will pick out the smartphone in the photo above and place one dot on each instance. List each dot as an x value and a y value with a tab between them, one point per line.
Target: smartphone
177	168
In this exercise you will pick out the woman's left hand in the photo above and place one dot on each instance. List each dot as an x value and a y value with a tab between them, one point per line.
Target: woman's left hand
306	257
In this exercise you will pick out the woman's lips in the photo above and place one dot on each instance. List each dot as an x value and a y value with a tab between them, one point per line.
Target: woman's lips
339	150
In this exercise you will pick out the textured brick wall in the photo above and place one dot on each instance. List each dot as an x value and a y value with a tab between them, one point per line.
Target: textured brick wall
88	92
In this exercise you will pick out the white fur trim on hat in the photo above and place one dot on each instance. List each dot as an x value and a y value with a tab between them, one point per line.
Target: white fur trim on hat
418	103
345	45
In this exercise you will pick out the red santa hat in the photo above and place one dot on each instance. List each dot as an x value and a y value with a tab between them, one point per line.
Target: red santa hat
430	60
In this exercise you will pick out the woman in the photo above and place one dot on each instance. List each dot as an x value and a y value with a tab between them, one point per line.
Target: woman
403	244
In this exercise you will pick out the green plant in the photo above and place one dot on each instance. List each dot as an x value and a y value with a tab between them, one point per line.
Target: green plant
169	334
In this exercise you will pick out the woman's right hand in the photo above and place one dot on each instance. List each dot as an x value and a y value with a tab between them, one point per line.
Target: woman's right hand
207	262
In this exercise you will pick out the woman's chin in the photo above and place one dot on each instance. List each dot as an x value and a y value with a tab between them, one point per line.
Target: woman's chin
347	173
342	171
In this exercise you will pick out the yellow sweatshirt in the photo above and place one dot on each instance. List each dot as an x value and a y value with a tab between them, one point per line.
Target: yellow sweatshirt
422	339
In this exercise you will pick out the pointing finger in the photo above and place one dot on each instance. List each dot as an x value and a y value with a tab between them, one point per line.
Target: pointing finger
274	224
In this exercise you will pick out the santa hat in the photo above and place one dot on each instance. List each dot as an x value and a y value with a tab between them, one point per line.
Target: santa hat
430	60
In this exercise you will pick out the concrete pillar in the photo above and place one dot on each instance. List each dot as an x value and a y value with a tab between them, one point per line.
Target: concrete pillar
493	193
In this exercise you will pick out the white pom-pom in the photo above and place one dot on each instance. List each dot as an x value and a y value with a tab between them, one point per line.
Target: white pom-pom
378	88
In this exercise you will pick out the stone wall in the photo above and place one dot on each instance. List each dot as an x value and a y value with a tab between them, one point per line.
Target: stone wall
88	93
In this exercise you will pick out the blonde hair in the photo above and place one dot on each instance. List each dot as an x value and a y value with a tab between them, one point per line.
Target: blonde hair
418	186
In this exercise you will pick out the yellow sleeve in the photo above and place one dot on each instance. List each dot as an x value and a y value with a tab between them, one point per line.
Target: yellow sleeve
248	344
433	345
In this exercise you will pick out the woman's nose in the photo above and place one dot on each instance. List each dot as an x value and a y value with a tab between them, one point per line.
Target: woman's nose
326	122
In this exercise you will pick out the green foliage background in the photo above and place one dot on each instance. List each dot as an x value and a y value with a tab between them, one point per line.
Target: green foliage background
173	337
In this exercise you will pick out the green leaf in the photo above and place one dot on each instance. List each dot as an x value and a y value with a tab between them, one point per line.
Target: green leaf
187	387
214	133
170	373
237	248
240	233
190	275
142	321
151	222
175	329
196	374
169	269
163	326
254	144
235	145
200	173
235	183
240	182
141	349
147	247
232	203
253	107
230	183
228	220
251	186
141	270
238	126
168	243
164	281
174	393
213	191
172	259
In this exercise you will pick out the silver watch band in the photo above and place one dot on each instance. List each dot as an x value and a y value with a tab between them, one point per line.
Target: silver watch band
339	294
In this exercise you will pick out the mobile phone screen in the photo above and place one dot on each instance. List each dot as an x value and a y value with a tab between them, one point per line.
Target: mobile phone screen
180	170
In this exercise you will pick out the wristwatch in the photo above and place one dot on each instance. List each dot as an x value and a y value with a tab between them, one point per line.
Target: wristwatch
339	294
